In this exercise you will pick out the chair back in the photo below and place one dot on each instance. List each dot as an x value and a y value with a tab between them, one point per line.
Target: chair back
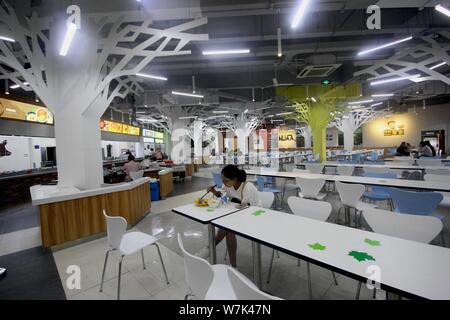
136	174
370	169
313	209
349	193
314	168
419	203
244	289
260	182
437	177
345	170
406	226
310	187
199	274
217	179
115	229
267	199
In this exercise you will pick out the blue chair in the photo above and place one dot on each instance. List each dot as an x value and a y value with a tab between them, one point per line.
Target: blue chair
419	203
357	157
217	179
379	193
260	184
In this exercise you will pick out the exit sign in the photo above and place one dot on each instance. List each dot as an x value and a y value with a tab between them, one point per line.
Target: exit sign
326	82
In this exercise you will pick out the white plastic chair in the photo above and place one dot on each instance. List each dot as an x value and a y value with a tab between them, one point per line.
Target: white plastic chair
127	244
136	174
207	282
244	289
312	209
345	170
440	178
314	168
310	188
350	195
267	199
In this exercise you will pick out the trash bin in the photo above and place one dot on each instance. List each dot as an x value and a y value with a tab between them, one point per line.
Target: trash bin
154	190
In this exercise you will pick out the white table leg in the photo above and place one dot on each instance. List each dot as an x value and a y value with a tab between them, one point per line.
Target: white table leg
256	252
212	244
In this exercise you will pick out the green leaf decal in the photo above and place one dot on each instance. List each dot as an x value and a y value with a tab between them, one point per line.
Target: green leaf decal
210	210
373	243
317	246
361	256
258	213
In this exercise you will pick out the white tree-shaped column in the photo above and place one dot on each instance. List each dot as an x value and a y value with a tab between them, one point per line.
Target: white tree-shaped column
352	121
104	49
306	133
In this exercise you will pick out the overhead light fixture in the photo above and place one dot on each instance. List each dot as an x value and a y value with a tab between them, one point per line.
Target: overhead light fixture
70	34
387	45
284	113
381	95
346	117
148	120
185	118
438	65
220	111
192	95
16	86
360	102
416	76
271	116
376	104
313	99
150	76
280	52
301	9
246	110
221	52
443	10
277	120
7	39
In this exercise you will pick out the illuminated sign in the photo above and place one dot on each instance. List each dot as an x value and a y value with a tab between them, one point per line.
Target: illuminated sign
287	139
15	110
115	127
394	129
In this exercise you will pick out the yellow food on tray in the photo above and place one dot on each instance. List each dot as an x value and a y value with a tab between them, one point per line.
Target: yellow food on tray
201	202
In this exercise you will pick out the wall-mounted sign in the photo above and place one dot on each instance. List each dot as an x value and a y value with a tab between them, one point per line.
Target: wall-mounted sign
287	139
149	140
10	109
394	129
148	133
159	141
115	127
159	135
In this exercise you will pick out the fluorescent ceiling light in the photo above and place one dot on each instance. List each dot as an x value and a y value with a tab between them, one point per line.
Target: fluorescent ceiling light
147	120
277	120
301	9
438	65
246	110
382	95
7	39
284	113
443	10
376	104
271	116
220	52
184	118
220	111
395	79
70	33
177	93
313	99
361	102
16	86
384	46
150	76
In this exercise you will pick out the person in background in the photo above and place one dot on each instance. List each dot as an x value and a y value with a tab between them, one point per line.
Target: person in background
403	150
3	151
130	166
158	155
429	145
425	150
240	191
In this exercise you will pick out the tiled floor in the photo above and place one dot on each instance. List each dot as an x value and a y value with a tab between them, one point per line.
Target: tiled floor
288	280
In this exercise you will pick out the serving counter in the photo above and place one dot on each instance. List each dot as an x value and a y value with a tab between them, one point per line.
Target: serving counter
68	214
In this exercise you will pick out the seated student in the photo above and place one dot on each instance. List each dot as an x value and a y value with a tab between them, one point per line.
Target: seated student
130	166
158	155
239	190
403	150
425	150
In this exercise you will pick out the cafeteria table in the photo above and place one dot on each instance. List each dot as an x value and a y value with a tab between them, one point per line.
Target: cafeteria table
405	268
205	215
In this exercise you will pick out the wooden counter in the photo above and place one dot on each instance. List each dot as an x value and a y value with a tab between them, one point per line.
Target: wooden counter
72	219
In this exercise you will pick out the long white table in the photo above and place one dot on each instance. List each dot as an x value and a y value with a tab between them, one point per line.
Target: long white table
396	183
205	215
388	166
407	268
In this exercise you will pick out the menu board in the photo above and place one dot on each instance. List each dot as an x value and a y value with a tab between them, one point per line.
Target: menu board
159	135
115	127
159	141
149	140
10	109
148	133
287	139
